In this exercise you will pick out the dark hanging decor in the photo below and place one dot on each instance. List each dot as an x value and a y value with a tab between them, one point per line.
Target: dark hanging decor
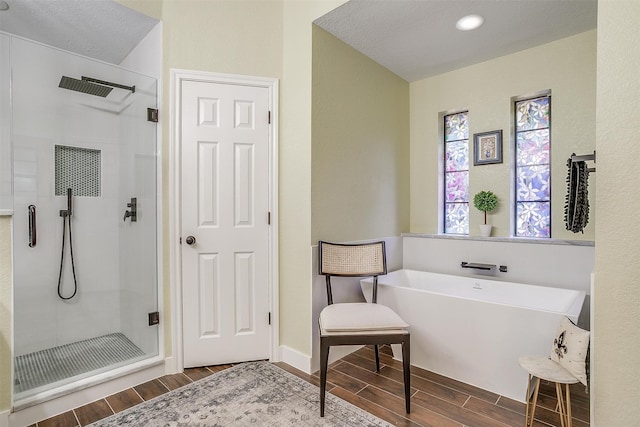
576	208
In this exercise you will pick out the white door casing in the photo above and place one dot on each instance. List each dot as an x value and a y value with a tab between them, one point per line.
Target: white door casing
226	186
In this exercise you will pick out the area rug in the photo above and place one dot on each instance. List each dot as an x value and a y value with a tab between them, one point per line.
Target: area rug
249	394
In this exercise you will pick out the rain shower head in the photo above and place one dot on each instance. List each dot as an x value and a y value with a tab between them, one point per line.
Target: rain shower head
84	86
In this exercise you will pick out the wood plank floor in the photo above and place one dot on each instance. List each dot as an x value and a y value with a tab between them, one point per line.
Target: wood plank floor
435	400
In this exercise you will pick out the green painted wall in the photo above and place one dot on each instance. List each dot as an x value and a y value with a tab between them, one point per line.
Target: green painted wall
567	67
295	172
260	38
616	339
360	149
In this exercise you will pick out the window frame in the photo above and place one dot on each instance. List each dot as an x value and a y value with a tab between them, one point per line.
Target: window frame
442	172
514	163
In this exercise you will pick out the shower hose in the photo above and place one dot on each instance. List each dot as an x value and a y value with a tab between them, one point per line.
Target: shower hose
66	217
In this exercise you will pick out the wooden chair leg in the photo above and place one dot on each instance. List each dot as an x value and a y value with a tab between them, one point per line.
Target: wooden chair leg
526	412
535	401
406	369
568	401
564	405
377	351
324	362
561	407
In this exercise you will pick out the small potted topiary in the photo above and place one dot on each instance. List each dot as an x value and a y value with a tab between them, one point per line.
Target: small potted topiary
485	201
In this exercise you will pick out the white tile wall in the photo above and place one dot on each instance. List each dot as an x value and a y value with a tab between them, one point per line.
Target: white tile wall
115	261
557	264
6	202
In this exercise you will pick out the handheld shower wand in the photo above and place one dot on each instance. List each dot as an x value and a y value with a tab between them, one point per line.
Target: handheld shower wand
69	198
66	213
66	218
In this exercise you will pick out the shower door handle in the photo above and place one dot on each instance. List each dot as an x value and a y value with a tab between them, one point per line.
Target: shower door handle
32	226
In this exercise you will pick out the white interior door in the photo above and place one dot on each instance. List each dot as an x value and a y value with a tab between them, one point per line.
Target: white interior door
225	222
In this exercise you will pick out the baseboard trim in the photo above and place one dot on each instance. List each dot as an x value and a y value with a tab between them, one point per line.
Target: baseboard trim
4	418
310	365
296	359
170	366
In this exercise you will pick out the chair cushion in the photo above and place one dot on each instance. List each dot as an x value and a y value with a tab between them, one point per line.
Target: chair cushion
570	347
360	317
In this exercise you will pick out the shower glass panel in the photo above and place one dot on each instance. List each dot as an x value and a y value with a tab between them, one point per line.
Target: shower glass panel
85	275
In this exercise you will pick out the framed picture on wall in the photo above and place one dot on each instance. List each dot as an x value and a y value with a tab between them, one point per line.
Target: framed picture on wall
487	147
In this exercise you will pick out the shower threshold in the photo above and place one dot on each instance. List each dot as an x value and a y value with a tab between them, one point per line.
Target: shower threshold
69	361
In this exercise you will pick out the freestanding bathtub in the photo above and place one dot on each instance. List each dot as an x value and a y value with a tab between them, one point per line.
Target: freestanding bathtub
474	330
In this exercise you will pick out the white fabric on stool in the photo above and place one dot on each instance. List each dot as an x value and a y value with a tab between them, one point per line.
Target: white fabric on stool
545	368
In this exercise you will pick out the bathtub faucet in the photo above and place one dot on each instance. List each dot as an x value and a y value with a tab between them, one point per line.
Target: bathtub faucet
484	268
477	265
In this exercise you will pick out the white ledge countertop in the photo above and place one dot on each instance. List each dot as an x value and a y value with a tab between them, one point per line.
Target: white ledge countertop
503	239
6	212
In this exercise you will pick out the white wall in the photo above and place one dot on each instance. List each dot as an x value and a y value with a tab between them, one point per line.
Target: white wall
146	57
557	264
547	263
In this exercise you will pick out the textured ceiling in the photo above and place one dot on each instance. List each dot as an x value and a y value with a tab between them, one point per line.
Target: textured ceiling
99	29
417	38
413	38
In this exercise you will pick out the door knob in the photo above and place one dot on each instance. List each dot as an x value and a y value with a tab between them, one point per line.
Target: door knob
190	240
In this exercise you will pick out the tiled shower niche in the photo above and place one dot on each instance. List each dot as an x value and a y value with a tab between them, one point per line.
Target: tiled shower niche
79	169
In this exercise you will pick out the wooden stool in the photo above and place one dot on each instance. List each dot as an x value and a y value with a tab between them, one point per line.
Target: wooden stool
542	367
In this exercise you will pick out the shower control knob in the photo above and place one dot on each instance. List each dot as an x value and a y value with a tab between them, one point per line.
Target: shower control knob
190	240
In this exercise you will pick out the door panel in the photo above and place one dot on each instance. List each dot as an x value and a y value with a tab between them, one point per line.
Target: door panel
225	201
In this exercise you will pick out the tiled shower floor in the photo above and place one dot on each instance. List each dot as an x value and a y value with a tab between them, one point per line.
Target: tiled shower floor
59	363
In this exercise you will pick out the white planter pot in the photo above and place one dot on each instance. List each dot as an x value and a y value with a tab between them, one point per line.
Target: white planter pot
485	230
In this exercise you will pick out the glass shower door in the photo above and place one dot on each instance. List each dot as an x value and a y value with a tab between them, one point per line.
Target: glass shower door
138	217
85	273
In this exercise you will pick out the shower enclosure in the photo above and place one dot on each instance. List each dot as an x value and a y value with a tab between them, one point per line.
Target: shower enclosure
84	218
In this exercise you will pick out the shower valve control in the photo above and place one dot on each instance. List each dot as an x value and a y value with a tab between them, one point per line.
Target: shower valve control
132	212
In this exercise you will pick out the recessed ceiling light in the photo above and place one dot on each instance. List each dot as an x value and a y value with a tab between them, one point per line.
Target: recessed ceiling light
469	22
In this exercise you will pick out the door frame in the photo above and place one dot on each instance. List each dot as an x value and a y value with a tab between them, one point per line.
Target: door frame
175	363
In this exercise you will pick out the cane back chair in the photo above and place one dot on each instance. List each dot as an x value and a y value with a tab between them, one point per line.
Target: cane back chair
358	323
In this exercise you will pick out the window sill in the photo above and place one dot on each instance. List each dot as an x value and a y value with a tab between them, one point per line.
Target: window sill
533	240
